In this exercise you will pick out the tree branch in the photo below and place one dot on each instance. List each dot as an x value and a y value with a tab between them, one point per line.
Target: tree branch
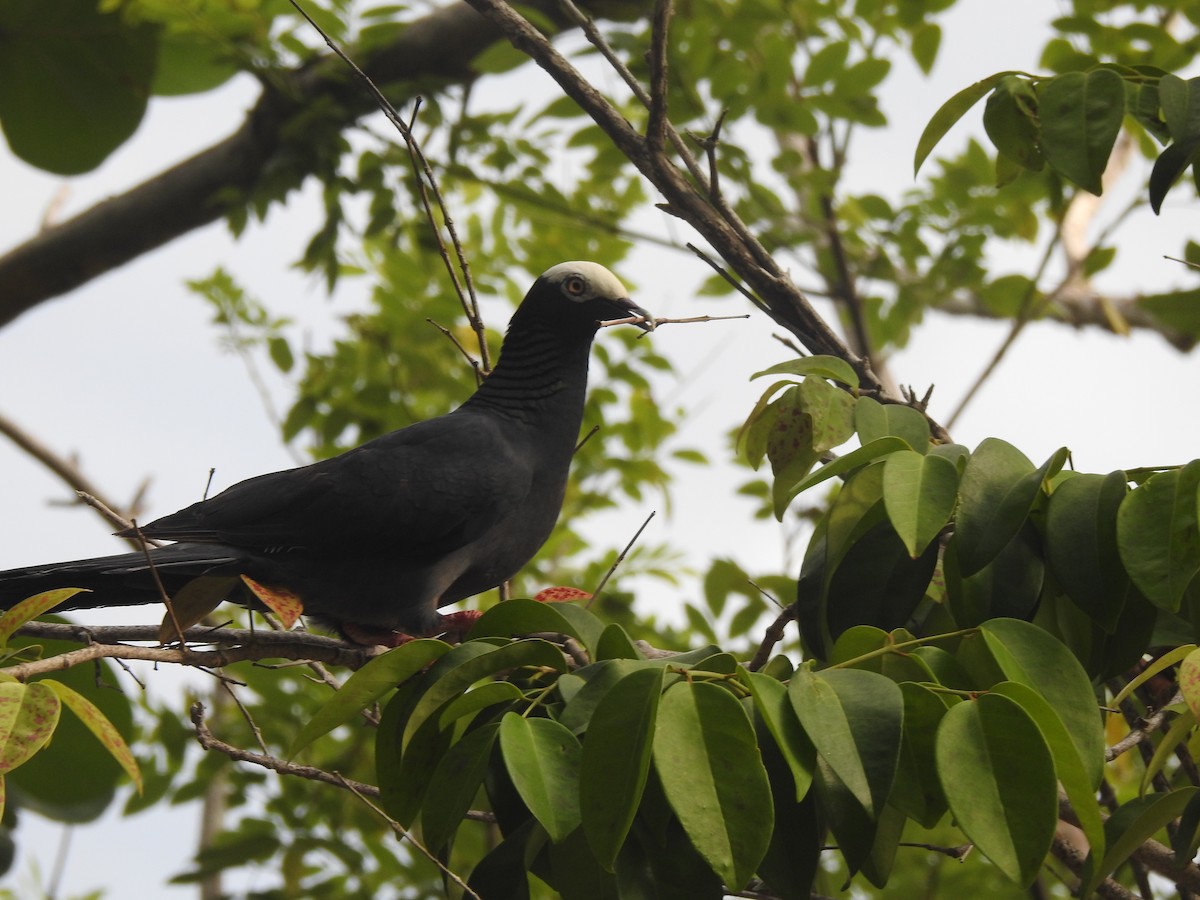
277	137
712	218
236	645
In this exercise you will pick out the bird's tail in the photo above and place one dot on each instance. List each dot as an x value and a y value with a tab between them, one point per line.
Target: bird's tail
122	580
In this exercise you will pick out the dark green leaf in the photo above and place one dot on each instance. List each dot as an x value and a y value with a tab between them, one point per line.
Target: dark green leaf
950	112
74	81
709	765
1011	121
616	760
1081	114
1081	544
542	758
1158	537
455	782
998	776
919	493
367	686
1032	657
854	718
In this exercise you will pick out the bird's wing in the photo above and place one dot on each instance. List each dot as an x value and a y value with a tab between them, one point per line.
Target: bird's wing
425	489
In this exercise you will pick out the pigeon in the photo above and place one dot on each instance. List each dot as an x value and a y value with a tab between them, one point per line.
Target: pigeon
374	541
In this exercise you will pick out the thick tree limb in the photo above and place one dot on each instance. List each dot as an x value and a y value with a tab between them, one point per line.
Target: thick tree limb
1081	310
431	52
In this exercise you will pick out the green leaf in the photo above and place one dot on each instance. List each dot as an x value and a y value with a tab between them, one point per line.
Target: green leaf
1157	535
367	686
68	781
616	761
917	791
771	701
707	759
831	411
919	493
466	664
926	39
542	759
32	607
28	716
1032	657
1189	680
873	420
854	718
1153	668
99	725
999	487
998	776
1009	585
1010	120
1072	772
1081	544
1169	166
521	616
1081	115
487	694
1131	826
950	112
455	782
1180	101
614	643
822	366
852	460
74	81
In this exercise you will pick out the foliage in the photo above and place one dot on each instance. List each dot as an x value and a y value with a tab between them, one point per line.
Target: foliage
964	614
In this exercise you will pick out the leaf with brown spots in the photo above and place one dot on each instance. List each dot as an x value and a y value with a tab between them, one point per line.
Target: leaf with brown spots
28	716
561	594
100	726
32	607
280	601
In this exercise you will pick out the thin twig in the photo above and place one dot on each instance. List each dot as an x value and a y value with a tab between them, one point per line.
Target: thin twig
1029	306
249	719
724	273
209	741
421	167
588	26
162	589
616	562
474	363
67	471
407	835
592	432
1149	725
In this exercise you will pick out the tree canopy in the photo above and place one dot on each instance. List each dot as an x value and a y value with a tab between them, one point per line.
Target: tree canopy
978	671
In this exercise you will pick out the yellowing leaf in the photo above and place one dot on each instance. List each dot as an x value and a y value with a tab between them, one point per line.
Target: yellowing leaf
32	607
100	726
280	601
28	716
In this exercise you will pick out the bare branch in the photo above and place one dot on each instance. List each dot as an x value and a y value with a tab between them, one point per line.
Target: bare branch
65	469
616	562
245	646
772	636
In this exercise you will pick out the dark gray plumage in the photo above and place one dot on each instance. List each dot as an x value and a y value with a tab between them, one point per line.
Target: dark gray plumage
375	540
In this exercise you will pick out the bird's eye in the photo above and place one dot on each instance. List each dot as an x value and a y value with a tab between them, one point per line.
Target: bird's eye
575	285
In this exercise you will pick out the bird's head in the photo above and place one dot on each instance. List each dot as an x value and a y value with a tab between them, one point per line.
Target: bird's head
582	293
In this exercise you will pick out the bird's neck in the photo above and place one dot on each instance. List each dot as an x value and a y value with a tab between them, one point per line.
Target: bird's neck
540	377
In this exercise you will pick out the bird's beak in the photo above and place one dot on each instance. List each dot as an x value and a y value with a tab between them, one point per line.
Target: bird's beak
629	308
